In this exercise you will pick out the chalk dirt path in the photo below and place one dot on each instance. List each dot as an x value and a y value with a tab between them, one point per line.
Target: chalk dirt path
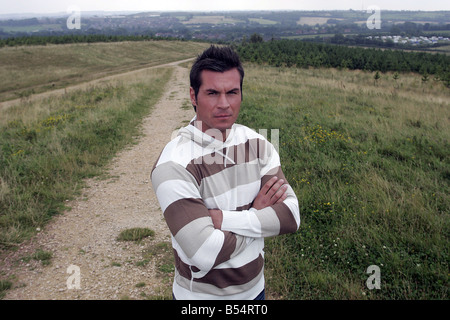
85	236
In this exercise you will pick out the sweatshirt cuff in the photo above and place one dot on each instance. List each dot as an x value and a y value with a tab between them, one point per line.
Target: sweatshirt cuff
231	219
241	222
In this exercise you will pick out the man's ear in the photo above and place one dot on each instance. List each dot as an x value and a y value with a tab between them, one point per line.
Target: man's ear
193	100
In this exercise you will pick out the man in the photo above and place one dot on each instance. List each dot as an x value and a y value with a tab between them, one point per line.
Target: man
221	189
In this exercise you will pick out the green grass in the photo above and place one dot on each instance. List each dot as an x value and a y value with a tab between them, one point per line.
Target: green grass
48	147
4	286
135	234
370	166
43	256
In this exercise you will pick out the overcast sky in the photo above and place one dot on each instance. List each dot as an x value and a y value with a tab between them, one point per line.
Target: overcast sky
52	6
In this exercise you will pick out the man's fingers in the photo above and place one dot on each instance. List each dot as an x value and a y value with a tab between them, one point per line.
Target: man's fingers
217	217
268	185
275	187
273	191
281	194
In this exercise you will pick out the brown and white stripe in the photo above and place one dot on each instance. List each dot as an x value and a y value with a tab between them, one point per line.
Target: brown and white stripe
195	173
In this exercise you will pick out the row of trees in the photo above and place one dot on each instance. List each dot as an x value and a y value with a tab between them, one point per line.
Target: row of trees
306	54
73	38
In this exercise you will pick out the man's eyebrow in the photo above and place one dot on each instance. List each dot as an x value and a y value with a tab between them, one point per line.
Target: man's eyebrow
234	90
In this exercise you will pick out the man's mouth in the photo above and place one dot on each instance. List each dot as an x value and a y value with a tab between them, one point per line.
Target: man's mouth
222	116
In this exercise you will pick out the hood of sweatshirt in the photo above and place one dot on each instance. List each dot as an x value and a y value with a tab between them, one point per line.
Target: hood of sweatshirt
206	140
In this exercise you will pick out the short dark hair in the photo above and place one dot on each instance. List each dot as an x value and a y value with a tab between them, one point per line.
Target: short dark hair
218	59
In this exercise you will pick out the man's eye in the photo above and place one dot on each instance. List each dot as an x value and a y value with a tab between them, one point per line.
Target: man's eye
212	93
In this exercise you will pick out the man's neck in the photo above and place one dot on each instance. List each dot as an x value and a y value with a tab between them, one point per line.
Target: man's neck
215	133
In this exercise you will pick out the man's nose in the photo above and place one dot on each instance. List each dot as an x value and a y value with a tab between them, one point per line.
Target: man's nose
223	102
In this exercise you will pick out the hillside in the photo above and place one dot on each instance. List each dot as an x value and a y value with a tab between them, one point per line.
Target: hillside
367	156
369	162
28	70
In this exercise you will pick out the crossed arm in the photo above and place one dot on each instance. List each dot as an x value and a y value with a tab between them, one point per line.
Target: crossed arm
195	229
273	192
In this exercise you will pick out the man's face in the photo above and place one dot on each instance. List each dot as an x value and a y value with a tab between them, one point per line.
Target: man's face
219	99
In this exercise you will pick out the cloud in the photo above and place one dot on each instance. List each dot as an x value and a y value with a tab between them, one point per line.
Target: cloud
51	6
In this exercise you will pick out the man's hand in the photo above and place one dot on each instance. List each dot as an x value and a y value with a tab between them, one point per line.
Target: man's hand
217	217
274	191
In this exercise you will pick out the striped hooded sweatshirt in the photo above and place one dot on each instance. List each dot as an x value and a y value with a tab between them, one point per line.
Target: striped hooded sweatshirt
196	172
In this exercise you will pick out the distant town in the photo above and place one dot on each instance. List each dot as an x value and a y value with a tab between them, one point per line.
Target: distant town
418	29
412	40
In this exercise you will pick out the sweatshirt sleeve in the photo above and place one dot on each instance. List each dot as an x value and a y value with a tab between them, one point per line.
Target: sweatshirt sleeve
277	219
188	219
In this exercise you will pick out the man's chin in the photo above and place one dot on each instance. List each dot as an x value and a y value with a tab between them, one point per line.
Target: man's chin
221	125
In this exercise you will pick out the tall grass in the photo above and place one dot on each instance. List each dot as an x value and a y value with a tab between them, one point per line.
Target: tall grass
48	147
369	163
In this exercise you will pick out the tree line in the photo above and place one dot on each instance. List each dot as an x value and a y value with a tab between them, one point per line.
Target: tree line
75	38
300	54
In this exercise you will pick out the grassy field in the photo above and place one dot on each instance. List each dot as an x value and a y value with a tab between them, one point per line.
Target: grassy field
368	160
262	21
312	21
214	19
47	147
26	70
369	163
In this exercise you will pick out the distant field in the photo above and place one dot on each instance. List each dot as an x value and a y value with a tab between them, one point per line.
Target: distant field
33	28
444	32
312	21
210	20
262	21
443	49
369	163
312	36
26	70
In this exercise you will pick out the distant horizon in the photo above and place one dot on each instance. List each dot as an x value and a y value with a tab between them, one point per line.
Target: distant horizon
52	7
64	13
